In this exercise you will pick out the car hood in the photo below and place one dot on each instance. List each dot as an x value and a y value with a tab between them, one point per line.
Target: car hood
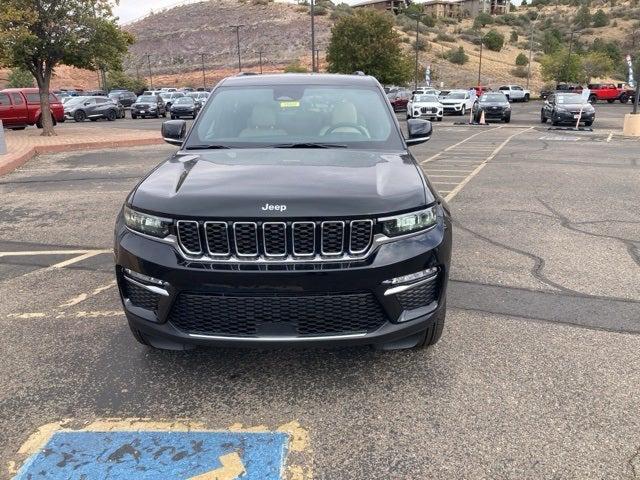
144	104
452	101
310	182
492	104
576	106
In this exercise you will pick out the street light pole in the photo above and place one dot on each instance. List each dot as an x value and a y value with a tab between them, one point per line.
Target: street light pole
313	37
149	67
415	79
204	78
237	27
530	53
480	61
260	54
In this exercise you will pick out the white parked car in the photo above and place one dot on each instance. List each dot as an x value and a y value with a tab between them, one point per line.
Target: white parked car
458	102
515	93
426	91
425	106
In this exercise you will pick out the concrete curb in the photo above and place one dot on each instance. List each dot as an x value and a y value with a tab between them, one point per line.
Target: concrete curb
25	156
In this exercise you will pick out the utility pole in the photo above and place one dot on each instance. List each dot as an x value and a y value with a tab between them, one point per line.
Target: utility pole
415	79
260	54
480	62
530	53
313	37
566	65
137	72
204	77
237	27
318	59
148	55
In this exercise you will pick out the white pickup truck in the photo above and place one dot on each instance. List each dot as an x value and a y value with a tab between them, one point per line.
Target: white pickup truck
515	93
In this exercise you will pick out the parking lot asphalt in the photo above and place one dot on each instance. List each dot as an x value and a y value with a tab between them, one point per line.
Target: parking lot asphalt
536	376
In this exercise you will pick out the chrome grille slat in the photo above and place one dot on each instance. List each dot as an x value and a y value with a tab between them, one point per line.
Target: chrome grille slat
305	241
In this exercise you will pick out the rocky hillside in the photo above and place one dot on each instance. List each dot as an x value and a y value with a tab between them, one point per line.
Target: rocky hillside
176	38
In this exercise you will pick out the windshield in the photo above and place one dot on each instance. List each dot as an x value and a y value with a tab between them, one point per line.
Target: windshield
456	96
280	115
426	98
493	97
184	101
76	100
165	95
569	98
146	99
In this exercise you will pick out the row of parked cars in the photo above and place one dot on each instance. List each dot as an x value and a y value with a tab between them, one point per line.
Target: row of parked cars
609	92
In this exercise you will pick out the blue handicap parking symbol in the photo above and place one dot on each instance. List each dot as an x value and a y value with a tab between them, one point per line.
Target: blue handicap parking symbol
158	455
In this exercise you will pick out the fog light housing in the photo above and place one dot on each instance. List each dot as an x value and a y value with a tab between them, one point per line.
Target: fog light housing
144	278
412	277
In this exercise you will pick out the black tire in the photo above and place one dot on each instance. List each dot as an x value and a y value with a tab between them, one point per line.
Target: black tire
80	116
164	114
93	119
508	99
434	332
112	115
554	122
463	111
543	119
611	100
133	117
439	119
173	117
593	98
624	98
195	115
17	128
507	119
589	123
526	97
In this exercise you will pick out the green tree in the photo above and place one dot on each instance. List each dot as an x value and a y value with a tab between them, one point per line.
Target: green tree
482	20
560	66
596	65
39	35
522	60
513	37
583	17
19	78
600	19
551	41
493	40
457	56
366	41
119	79
295	67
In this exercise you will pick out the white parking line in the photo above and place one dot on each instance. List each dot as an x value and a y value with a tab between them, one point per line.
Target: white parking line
433	157
42	252
83	296
460	186
77	259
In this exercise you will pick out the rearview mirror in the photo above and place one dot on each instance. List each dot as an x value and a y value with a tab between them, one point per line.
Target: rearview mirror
419	131
174	131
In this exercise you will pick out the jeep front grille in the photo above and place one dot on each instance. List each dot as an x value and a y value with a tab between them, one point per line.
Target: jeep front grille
331	239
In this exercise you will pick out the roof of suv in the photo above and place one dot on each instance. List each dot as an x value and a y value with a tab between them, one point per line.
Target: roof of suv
299	79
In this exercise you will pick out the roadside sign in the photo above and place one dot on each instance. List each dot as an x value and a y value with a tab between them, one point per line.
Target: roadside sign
3	142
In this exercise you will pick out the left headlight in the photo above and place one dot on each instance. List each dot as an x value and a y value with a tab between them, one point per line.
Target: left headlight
409	222
147	224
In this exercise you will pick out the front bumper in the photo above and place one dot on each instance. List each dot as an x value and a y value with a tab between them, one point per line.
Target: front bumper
453	108
429	113
183	113
498	114
357	281
572	117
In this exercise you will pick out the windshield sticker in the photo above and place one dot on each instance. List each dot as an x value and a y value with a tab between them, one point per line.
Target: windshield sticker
290	104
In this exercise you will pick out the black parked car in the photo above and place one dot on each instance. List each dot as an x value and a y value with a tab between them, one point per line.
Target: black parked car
170	97
148	106
93	108
185	107
566	108
495	107
125	97
282	222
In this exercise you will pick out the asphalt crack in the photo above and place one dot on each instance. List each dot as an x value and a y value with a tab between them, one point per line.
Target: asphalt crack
634	471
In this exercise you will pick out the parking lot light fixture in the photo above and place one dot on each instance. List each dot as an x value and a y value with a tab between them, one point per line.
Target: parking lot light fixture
237	28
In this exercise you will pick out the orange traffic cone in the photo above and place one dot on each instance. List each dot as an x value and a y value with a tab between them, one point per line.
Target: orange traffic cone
482	120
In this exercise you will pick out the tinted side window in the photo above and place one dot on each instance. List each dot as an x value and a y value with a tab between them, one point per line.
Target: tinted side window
33	98
17	99
4	99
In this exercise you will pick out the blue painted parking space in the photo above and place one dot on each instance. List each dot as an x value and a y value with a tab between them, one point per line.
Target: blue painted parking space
167	455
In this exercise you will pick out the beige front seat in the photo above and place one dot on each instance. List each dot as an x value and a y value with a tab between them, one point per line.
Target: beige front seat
344	114
262	123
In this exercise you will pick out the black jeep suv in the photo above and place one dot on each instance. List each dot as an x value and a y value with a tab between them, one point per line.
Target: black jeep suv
292	214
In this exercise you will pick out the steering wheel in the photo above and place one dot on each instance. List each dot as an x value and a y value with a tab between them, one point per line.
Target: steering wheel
359	128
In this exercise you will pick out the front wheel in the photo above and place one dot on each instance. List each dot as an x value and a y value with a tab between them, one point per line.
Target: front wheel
79	116
112	115
543	119
624	98
434	332
439	119
507	119
133	117
593	99
527	98
463	111
589	123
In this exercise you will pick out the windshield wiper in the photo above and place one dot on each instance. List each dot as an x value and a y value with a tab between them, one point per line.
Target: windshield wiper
211	146
309	145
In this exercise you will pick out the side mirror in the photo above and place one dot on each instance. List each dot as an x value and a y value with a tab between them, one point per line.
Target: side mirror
174	131
419	131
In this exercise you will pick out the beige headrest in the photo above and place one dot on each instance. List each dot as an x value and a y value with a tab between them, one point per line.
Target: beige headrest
262	117
344	113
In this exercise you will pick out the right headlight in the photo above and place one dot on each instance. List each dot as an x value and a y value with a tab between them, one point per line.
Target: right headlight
147	224
409	222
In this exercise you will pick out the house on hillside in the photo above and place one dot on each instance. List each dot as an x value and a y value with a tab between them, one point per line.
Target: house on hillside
442	8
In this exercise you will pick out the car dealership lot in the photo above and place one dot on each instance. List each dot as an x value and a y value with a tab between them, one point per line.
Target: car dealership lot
535	377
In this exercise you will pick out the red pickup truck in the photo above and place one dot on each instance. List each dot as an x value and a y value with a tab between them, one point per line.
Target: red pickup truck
609	92
20	107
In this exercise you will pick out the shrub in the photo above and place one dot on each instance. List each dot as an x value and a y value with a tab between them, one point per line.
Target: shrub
600	19
521	60
513	37
295	67
457	56
493	40
444	37
19	78
482	20
423	45
520	72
